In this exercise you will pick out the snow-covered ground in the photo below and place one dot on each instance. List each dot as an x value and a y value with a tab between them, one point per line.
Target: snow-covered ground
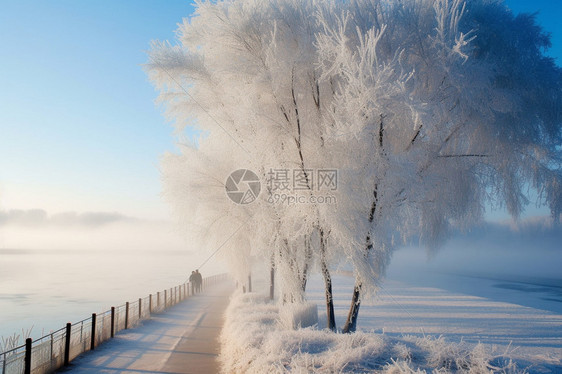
407	328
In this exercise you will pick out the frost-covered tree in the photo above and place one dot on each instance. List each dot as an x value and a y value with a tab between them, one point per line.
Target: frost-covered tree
429	109
445	106
247	70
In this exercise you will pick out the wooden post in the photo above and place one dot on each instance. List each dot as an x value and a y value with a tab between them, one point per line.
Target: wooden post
27	367
140	308
93	335
126	315
157	299
52	344
149	305
67	344
165	299
249	282
112	321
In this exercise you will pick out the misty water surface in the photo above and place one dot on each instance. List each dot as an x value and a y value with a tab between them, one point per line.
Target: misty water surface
44	289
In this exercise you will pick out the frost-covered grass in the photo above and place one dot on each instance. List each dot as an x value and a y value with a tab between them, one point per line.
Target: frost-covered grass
256	340
14	340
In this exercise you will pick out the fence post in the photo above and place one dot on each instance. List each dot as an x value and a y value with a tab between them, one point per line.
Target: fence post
27	368
52	346
126	315
67	344
149	305
158	299
112	321
165	299
249	282
140	308
93	335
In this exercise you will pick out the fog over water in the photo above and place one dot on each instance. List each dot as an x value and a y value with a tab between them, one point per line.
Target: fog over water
516	263
51	274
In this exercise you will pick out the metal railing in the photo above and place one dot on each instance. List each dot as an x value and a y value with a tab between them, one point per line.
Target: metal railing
59	348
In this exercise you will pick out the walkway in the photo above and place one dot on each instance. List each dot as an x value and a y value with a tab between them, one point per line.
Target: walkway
184	339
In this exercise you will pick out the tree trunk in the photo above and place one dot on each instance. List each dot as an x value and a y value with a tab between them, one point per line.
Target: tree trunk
272	279
304	278
351	322
307	258
330	316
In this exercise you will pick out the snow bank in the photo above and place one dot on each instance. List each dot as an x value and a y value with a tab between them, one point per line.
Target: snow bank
256	339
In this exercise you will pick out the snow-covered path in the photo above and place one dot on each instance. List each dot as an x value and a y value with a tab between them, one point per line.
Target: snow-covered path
184	339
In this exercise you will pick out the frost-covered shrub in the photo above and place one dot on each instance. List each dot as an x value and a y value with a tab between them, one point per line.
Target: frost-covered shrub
402	351
298	315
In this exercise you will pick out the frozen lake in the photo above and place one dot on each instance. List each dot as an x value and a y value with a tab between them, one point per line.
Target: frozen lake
527	278
45	289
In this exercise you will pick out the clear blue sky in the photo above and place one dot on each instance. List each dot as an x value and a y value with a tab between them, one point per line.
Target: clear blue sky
79	130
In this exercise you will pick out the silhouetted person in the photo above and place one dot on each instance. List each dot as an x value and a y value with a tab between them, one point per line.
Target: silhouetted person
193	281
199	280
